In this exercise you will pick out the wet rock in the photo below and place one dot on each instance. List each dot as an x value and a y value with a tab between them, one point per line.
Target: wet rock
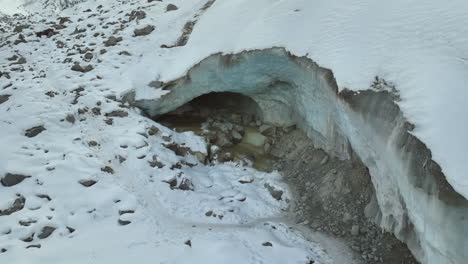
112	41
12	179
34	131
46	232
171	7
87	183
143	31
18	205
4	98
117	113
78	68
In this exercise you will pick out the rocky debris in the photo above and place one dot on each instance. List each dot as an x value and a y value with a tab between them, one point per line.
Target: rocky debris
117	113
12	179
47	32
4	98
46	231
17	205
171	7
143	31
112	41
87	183
78	68
34	131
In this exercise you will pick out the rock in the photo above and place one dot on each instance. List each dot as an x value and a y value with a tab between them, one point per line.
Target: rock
19	29
18	205
267	244
12	179
267	130
143	31
88	56
188	243
124	222
77	67
277	194
346	217
121	212
112	41
153	131
87	183
48	33
70	118
34	131
171	7
108	169
34	246
223	140
117	113
236	136
46	232
355	230
267	148
137	14
20	40
4	98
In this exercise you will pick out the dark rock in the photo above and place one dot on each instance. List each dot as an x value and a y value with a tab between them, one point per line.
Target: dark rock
188	243
18	205
143	31
124	52
20	39
112	41
108	169
70	118
87	183
34	131
277	194
48	33
137	14
88	56
171	7
117	113
92	143
121	212
46	232
4	98
3	250
12	179
77	67
34	246
124	222
153	131
44	196
267	244
29	238
71	229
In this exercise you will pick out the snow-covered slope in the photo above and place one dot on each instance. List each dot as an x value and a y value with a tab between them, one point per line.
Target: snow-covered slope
420	46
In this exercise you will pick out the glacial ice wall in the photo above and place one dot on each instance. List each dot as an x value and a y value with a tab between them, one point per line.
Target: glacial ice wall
415	201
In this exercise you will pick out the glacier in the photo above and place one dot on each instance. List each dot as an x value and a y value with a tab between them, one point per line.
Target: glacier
415	201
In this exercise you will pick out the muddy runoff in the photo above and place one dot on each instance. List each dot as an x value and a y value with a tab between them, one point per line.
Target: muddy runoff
331	196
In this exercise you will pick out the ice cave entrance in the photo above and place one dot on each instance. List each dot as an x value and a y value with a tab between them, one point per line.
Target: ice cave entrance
231	122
